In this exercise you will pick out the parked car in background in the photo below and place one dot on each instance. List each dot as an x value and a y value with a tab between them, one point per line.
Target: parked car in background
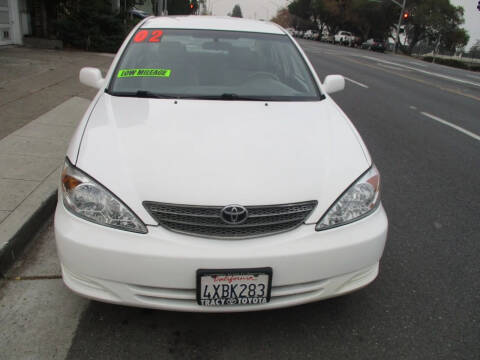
344	38
138	14
299	33
326	37
308	35
311	35
374	45
357	41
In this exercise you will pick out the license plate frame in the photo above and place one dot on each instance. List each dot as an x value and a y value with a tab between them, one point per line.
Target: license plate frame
228	274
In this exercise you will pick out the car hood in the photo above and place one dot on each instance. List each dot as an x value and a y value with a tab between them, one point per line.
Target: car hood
200	152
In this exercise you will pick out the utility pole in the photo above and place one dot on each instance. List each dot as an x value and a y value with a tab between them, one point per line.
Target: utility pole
397	38
402	6
161	9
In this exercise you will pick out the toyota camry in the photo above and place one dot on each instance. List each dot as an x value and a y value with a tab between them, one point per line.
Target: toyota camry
213	172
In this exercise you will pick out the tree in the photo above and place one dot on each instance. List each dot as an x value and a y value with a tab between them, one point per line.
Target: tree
455	39
301	8
176	7
92	25
303	13
435	21
332	14
371	20
237	11
475	50
363	17
283	18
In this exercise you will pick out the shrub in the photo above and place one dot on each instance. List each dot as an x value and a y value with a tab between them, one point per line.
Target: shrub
453	63
91	25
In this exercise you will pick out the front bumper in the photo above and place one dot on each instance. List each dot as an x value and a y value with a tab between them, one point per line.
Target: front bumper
158	269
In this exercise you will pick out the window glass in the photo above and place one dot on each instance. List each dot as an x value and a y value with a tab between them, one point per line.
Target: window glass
214	64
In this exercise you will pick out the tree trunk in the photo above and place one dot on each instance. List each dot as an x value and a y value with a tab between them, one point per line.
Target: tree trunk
37	18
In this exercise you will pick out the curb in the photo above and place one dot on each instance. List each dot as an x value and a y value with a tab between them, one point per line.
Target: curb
33	158
20	236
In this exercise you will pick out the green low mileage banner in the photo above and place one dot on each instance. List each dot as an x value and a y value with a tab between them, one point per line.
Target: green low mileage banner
125	73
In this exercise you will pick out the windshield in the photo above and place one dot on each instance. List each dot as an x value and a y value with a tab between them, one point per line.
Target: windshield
213	65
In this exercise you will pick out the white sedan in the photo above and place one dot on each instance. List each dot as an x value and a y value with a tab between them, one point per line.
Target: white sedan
213	172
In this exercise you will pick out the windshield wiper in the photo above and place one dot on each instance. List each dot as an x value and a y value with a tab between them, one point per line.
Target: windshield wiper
230	96
152	95
227	96
142	94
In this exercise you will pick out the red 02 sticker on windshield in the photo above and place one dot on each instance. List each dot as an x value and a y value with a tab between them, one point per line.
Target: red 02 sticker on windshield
148	36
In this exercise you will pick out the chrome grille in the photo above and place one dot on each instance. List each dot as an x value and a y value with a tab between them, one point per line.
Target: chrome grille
206	221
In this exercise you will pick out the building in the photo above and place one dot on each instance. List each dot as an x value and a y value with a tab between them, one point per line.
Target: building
23	17
14	21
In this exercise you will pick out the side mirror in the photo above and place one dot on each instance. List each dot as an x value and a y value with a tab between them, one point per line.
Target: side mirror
334	83
91	77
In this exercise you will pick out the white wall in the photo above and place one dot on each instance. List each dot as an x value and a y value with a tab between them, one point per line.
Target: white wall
16	28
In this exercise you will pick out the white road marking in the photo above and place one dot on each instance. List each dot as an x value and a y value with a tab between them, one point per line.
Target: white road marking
417	63
451	78
473	76
391	67
456	127
413	107
321	52
356	82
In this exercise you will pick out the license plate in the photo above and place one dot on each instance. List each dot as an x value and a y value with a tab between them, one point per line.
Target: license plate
234	287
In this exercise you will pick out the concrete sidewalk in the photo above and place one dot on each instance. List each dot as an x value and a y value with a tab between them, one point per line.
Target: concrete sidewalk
32	83
30	163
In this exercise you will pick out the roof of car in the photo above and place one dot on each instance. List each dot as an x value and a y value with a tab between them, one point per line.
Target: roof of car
212	23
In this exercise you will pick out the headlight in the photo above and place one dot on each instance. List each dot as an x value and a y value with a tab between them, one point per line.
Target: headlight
359	200
89	200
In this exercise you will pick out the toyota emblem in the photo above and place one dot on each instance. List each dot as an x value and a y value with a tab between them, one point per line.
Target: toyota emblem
234	214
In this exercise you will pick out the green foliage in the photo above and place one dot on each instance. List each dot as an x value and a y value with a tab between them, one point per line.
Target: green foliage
301	8
303	14
455	38
436	21
91	25
237	11
283	18
181	7
363	17
429	19
372	20
453	63
475	50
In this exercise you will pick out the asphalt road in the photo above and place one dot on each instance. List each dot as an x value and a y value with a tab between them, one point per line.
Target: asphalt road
421	123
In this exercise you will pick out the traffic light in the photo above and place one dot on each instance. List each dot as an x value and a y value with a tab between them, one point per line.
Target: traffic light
406	15
193	6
